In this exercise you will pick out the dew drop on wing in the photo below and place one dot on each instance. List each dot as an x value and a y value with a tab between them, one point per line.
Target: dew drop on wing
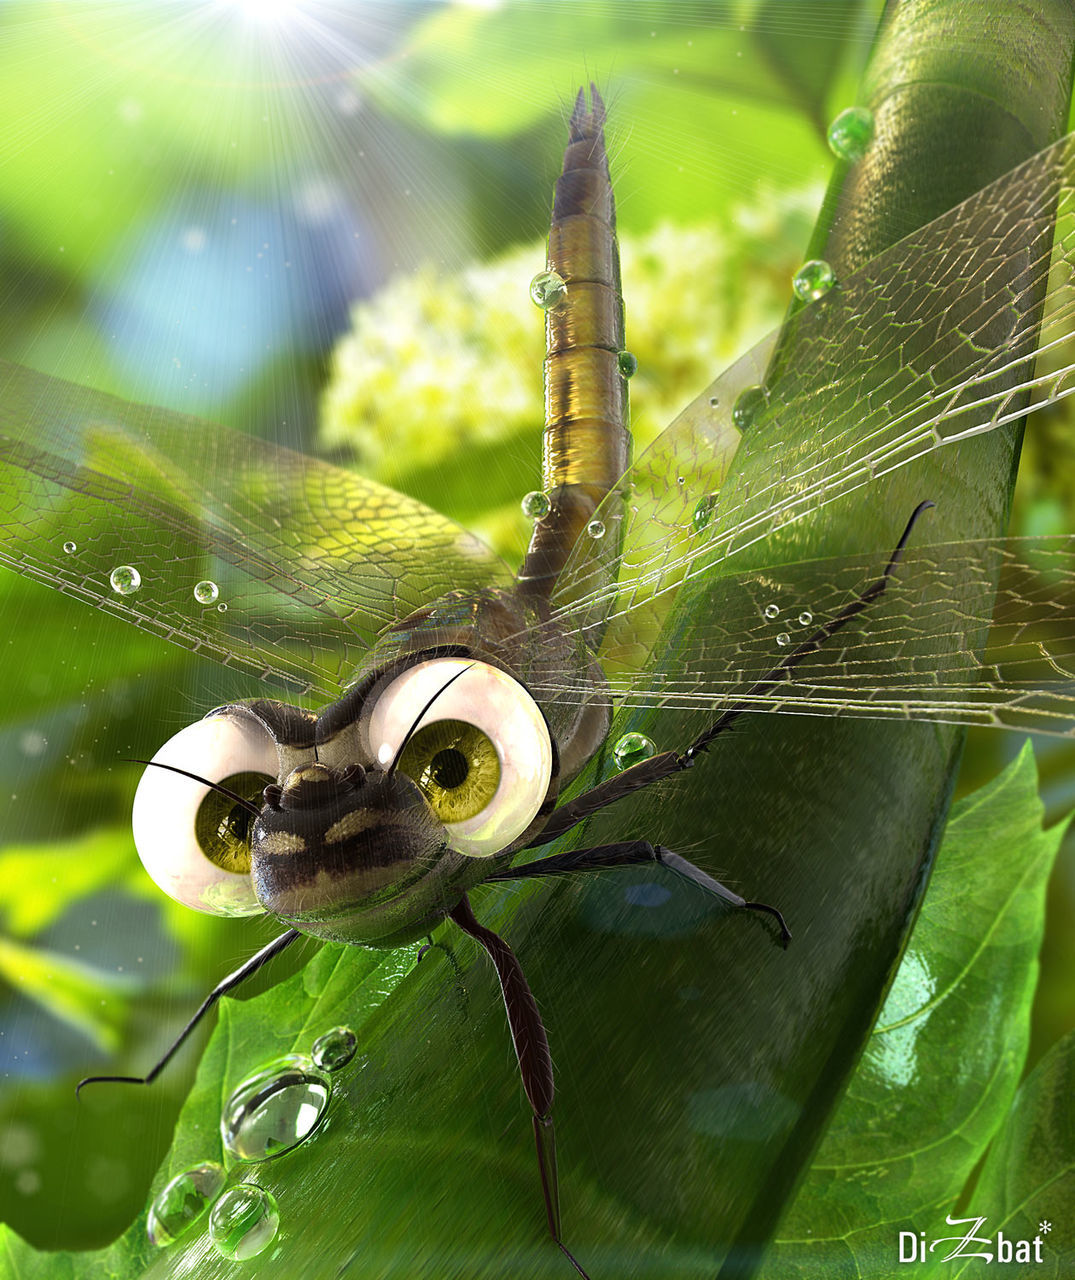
632	748
749	405
206	592
703	512
813	280
125	579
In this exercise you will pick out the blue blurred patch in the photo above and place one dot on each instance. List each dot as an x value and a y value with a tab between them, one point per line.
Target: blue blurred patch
214	291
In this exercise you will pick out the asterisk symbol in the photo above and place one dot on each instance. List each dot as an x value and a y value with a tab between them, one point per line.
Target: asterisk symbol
1045	1227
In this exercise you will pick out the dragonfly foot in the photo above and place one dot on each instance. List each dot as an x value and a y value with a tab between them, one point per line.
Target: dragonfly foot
785	932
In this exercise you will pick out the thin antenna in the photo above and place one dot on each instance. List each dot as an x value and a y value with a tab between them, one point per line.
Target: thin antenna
418	720
248	805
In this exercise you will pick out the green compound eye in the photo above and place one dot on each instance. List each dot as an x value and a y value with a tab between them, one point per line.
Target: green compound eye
455	765
482	755
222	827
194	841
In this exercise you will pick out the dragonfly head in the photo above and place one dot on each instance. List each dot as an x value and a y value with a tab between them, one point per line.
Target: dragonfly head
351	854
364	824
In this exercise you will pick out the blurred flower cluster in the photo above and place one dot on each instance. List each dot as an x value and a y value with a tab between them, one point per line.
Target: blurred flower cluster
440	367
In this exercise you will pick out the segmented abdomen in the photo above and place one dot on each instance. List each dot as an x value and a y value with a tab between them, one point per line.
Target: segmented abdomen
586	443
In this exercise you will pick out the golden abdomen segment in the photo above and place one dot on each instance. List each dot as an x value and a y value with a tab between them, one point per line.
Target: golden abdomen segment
586	441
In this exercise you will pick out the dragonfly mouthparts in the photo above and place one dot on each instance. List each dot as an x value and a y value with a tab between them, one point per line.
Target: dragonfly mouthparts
312	785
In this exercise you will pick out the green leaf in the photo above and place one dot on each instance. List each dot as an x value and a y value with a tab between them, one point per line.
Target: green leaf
1029	1175
805	57
70	990
508	72
38	882
941	1066
897	1155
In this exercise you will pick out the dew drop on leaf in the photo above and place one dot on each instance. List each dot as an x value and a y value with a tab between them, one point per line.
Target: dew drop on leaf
275	1109
183	1201
244	1221
334	1049
851	133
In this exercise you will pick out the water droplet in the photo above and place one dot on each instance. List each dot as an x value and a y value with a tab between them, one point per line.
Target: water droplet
206	592
125	579
748	405
633	748
244	1221
714	402
813	280
70	548
805	618
771	610
183	1201
222	608
275	1109
851	133
334	1049
548	290
536	505
783	638
596	529
703	511
628	363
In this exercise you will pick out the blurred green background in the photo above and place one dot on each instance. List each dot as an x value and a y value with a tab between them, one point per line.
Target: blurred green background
316	222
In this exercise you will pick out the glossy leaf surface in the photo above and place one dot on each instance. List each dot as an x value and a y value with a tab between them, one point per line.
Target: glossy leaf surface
910	1130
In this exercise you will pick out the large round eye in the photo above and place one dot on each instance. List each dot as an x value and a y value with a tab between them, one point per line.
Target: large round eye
194	841
481	752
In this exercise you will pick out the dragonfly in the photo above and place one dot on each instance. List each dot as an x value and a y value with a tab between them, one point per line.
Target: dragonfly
461	698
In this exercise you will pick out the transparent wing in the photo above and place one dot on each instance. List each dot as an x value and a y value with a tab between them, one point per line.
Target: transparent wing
931	343
943	643
309	561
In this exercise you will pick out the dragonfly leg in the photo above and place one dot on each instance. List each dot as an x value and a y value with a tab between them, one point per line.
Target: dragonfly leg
535	1062
222	988
647	772
631	853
